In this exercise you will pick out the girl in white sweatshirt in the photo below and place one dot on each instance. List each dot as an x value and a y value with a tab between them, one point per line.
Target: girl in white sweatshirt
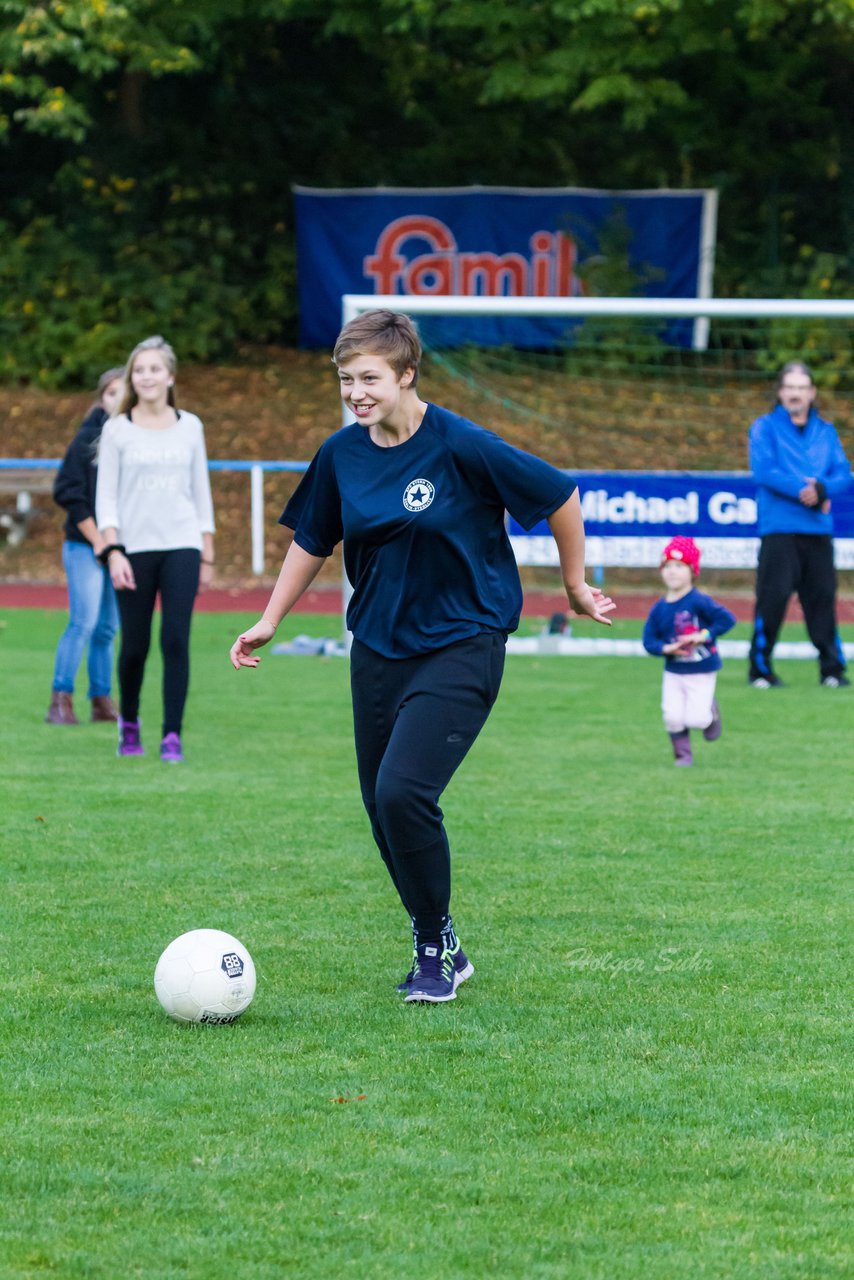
153	506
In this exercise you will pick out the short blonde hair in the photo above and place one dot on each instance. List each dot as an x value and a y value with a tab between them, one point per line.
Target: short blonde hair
156	343
389	334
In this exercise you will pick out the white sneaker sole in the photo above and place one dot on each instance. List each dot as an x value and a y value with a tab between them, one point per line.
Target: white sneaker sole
421	997
461	975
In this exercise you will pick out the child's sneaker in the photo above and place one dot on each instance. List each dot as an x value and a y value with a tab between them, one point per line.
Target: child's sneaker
130	742
714	728
682	748
463	970
170	749
433	975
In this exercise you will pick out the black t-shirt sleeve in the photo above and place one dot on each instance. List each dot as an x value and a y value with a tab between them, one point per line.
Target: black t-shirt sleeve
314	509
529	488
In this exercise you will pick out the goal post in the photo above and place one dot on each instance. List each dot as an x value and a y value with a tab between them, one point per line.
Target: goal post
655	433
632	365
354	304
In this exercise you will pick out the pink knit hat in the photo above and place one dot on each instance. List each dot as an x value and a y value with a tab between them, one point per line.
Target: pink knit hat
685	550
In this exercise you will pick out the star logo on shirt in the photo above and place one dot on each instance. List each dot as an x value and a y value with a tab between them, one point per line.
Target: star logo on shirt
418	495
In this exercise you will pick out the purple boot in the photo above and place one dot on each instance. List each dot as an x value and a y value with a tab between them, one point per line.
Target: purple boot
713	729
682	747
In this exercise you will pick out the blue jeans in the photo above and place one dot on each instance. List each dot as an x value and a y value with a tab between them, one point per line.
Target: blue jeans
94	621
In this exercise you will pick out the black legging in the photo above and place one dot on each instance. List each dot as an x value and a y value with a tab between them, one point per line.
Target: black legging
415	720
175	575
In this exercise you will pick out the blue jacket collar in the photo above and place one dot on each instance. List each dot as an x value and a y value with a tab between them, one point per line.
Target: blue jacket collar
783	416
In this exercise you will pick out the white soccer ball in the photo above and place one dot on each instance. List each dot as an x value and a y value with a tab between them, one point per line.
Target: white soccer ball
205	976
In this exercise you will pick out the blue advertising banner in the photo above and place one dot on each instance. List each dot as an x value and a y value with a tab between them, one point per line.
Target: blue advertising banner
491	241
630	515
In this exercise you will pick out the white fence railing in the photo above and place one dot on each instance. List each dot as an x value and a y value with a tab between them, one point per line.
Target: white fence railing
256	490
626	515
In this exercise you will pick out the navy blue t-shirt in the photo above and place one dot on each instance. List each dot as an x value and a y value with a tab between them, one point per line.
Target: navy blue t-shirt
425	546
669	619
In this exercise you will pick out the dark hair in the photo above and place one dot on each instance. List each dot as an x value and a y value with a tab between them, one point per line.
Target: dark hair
389	334
108	376
790	367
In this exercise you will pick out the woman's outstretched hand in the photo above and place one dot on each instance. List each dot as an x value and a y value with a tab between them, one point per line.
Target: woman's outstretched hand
242	652
590	602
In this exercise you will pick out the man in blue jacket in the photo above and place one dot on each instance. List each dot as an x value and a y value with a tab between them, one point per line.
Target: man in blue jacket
799	466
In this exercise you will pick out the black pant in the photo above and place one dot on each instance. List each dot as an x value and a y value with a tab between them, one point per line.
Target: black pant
415	720
802	563
175	575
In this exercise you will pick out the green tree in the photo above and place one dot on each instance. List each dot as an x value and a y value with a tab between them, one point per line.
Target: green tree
153	145
55	52
752	96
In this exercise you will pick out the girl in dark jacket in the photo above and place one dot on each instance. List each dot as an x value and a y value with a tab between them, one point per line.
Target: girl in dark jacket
91	599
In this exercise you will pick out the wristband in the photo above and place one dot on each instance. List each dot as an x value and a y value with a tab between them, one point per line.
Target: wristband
104	555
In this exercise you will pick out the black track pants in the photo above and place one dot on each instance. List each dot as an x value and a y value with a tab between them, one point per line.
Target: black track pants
803	564
175	575
415	720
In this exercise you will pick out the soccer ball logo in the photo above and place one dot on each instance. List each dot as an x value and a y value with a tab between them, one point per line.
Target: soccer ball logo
205	976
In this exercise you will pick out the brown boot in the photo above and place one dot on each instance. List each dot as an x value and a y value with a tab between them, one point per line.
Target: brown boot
104	709
61	710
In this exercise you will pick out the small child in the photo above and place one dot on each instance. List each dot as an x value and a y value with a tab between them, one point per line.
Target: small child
683	627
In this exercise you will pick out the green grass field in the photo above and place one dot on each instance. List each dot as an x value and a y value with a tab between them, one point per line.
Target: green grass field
648	1076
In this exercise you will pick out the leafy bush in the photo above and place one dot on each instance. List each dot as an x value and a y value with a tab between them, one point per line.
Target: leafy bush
825	345
124	259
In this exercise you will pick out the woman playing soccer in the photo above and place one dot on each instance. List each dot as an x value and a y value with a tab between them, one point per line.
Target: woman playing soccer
418	496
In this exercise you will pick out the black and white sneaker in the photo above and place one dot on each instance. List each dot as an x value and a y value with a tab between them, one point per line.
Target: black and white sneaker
463	970
432	975
835	682
766	682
